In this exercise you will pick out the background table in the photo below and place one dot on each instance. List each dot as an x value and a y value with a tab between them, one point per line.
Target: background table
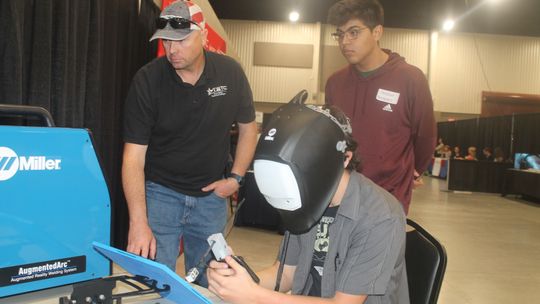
476	176
523	182
438	167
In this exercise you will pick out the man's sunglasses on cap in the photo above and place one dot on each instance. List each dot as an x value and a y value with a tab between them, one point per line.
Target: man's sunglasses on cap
176	23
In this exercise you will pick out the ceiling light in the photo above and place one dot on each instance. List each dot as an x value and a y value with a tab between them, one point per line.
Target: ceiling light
294	16
448	25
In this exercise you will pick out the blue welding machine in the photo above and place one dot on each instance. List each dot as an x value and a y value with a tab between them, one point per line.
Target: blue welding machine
54	203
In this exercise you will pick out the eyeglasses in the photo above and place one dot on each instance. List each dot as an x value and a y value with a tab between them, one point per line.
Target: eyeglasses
176	23
351	33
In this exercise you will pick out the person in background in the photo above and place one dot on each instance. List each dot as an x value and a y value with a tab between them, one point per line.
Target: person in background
439	148
498	155
387	99
487	155
456	153
446	152
178	115
471	153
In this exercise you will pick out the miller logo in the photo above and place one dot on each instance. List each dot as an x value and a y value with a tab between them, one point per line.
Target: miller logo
10	163
271	134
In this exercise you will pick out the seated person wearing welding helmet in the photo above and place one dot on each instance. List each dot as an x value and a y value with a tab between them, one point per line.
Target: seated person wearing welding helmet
347	235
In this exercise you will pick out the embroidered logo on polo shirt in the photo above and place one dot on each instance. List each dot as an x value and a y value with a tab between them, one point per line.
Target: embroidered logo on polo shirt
217	91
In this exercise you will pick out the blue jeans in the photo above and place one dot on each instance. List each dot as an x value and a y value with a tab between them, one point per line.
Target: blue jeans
173	215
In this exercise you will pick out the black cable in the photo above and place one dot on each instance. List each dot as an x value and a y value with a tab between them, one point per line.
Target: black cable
282	259
233	218
193	273
203	258
484	74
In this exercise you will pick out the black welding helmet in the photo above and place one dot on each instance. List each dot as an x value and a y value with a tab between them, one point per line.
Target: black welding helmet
299	162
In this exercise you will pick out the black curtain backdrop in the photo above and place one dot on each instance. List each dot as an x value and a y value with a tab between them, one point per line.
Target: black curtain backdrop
462	133
76	58
494	132
528	128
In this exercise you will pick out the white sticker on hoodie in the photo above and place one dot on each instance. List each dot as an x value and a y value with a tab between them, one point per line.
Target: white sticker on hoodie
387	96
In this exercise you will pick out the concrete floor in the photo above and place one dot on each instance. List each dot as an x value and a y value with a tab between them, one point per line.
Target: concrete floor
493	244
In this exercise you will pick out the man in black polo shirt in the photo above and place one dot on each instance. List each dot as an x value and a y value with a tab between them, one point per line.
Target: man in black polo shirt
179	111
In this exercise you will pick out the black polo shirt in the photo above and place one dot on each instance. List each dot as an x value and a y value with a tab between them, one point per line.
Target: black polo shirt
187	127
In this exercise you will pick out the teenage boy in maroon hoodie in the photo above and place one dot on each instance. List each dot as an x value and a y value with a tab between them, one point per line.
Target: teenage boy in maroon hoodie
387	99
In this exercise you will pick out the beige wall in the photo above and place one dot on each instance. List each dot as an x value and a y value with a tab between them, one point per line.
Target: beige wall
464	65
274	84
455	63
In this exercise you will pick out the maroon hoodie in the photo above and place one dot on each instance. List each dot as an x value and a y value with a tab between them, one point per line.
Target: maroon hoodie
391	112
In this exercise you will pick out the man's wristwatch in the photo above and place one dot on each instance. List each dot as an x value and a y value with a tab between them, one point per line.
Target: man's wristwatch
239	179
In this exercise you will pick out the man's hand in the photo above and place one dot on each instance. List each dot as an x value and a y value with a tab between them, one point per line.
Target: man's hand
231	282
141	241
223	188
417	180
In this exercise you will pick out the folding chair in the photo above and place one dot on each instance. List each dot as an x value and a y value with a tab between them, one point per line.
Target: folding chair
426	263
